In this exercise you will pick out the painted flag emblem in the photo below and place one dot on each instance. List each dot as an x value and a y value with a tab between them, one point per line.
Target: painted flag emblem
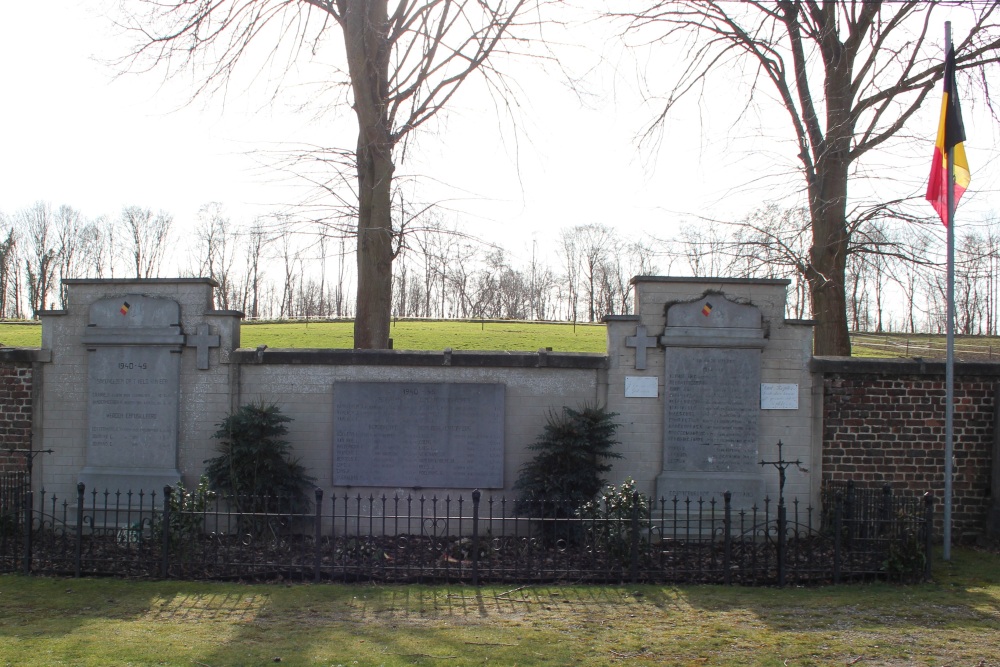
124	309
707	309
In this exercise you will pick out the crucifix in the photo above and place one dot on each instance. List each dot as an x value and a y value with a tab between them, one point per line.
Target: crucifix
781	464
641	342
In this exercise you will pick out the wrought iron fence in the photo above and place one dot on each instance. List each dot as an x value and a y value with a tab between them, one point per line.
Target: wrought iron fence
472	539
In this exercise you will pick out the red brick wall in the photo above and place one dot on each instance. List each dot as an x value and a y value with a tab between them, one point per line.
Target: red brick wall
889	426
15	413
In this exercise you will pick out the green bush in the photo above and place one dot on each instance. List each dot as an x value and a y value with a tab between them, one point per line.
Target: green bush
608	520
254	467
186	510
572	455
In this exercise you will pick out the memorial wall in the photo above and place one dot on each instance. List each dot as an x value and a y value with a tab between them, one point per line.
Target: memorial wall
705	378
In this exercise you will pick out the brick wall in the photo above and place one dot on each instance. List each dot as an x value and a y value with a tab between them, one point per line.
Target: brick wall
884	422
15	412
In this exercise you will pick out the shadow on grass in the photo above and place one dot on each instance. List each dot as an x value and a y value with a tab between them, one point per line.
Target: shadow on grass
219	624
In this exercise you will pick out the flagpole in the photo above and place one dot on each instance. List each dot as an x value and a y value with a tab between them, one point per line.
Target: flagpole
949	379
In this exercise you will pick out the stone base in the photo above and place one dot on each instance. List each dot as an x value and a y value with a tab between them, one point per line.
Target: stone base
747	489
124	480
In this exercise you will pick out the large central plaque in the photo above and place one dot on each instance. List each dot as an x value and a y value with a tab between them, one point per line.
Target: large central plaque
418	434
133	393
133	402
712	408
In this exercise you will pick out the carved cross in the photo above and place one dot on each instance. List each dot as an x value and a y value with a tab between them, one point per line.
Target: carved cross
641	342
201	340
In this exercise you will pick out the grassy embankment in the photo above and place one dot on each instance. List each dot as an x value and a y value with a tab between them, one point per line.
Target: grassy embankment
527	336
954	621
406	335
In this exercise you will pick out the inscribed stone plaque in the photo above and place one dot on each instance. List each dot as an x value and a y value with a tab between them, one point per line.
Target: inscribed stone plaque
133	407
712	401
641	387
778	396
711	410
133	390
419	434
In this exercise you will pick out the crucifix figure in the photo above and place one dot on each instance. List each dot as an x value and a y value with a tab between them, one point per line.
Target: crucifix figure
640	341
781	464
201	340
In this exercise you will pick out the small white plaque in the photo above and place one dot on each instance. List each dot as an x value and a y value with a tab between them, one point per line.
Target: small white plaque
774	396
641	387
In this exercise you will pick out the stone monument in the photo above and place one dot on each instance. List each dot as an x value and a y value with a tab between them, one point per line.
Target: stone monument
133	383
712	401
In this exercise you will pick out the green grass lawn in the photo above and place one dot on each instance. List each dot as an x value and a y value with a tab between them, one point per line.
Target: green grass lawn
406	335
526	337
435	335
954	621
20	334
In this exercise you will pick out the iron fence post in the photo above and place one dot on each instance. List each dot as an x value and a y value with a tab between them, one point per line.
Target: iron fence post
838	517
28	520
782	525
886	511
849	512
928	533
79	529
477	495
727	522
634	565
318	534
165	556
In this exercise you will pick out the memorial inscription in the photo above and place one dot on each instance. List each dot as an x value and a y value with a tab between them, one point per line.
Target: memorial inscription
711	409
133	394
133	407
712	401
397	434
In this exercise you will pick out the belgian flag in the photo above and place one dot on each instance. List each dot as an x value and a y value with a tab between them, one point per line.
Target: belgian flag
951	134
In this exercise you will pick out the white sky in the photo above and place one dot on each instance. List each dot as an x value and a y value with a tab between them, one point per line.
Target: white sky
71	133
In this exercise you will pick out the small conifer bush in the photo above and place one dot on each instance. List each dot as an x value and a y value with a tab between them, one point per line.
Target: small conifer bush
572	455
254	465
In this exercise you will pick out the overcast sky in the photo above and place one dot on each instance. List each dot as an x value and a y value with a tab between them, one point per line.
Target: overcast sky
70	132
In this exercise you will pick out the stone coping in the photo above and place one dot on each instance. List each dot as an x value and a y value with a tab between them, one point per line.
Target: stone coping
141	281
24	355
908	366
711	281
461	358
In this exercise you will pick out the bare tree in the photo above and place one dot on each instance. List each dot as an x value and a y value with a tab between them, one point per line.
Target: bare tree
291	258
8	270
402	67
630	259
704	247
596	244
69	226
41	253
147	235
98	248
849	76
256	242
216	240
569	249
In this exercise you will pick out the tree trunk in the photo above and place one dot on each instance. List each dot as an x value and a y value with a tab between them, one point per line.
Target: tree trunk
828	192
828	260
365	38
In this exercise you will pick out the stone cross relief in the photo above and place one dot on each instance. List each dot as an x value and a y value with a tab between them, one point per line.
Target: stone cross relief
202	341
641	342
